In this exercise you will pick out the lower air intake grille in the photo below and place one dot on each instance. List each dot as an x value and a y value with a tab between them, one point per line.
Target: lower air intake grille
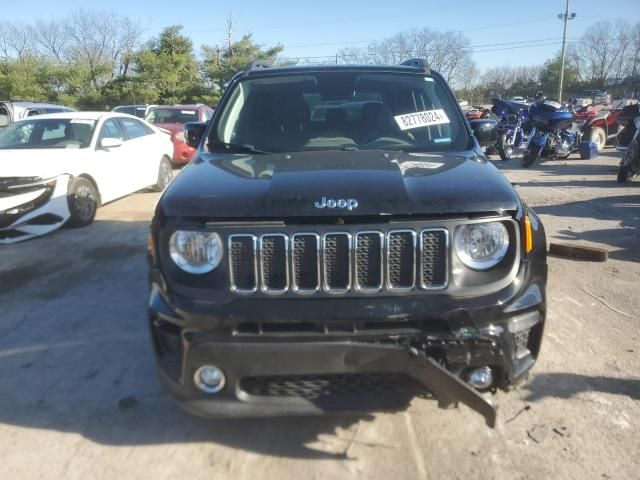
313	387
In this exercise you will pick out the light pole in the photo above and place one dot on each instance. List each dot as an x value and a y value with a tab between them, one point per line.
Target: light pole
566	17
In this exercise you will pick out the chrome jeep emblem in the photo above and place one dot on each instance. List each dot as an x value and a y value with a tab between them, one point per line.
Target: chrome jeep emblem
348	203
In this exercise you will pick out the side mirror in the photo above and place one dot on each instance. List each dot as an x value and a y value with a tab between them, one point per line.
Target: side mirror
110	142
485	130
193	132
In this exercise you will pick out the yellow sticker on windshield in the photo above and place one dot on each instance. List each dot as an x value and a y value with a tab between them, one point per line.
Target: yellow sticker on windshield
421	119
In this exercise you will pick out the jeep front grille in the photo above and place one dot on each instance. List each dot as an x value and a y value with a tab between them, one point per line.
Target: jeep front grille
339	262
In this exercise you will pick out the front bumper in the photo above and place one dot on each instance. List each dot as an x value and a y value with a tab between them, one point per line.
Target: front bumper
433	339
35	212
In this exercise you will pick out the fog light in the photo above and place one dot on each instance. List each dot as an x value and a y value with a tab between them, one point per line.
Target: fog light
209	379
481	378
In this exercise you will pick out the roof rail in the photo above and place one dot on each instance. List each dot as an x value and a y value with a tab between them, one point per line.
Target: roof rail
417	63
257	64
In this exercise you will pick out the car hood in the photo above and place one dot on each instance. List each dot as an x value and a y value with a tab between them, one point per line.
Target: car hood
43	163
294	185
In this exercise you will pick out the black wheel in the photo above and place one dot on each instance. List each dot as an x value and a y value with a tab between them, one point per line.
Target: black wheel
530	155
505	148
165	174
83	202
623	173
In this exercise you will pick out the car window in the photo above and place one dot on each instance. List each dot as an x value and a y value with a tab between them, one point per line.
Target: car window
39	133
172	115
32	113
338	110
207	115
129	110
111	129
4	116
135	128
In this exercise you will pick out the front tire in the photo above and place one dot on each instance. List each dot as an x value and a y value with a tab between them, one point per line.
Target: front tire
505	150
530	155
165	175
83	202
599	138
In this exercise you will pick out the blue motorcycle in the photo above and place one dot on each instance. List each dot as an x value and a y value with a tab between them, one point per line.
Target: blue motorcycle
553	134
513	126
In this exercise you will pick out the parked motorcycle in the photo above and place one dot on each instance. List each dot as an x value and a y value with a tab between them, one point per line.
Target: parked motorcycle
514	126
629	142
553	134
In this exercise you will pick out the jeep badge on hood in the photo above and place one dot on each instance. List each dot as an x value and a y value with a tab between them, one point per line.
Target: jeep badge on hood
348	203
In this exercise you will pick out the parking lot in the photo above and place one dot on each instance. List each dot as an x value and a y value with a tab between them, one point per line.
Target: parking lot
79	396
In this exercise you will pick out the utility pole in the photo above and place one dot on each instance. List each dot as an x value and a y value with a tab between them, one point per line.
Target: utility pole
566	17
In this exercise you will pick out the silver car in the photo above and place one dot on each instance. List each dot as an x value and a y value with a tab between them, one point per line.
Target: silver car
11	111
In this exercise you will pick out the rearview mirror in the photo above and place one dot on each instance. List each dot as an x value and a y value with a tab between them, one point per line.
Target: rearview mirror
193	132
110	142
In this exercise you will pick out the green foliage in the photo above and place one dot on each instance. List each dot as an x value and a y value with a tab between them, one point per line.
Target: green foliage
550	77
166	68
221	63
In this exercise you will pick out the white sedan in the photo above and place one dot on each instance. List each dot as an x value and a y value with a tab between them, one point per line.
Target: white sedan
58	168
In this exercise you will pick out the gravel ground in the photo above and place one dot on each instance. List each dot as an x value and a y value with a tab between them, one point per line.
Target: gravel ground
79	397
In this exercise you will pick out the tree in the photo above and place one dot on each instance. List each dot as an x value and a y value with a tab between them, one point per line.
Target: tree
606	50
167	68
550	76
222	62
447	52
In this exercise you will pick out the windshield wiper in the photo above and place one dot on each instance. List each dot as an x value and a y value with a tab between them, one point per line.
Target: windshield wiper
232	147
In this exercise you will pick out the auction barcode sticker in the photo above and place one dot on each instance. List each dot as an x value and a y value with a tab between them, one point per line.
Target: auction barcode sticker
421	119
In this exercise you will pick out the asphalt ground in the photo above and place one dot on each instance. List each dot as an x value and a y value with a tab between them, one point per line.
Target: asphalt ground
79	396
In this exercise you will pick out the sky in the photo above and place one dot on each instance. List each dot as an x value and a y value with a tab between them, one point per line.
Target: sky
322	28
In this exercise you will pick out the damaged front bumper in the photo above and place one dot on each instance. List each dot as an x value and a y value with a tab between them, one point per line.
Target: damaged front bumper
295	357
298	360
30	207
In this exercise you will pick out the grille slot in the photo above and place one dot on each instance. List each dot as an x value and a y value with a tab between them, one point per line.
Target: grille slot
401	260
433	265
243	267
274	265
305	263
336	254
369	260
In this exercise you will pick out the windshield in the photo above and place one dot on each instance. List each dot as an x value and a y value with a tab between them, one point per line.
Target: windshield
171	115
48	133
341	110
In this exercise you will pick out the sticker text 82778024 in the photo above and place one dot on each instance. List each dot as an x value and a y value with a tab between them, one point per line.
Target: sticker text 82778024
421	119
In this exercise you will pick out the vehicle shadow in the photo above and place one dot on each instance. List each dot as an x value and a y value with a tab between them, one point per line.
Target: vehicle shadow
568	385
623	209
75	353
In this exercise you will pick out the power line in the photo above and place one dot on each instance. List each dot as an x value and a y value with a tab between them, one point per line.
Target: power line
378	40
422	52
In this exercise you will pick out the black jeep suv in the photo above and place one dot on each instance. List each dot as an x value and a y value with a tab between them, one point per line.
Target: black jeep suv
340	242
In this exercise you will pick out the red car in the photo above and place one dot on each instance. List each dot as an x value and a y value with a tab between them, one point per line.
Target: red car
172	118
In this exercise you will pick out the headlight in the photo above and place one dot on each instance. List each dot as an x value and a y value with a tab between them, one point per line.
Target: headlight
481	246
195	252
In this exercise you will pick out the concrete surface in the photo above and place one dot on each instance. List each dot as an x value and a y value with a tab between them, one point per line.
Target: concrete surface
79	397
